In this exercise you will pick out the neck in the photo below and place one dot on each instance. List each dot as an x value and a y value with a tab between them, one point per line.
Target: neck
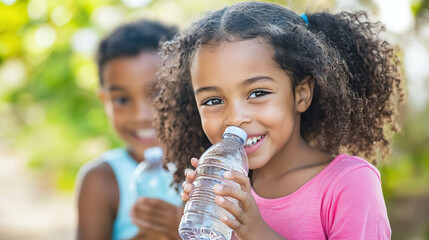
137	156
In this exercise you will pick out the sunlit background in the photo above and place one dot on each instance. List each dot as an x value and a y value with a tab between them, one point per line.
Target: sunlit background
51	121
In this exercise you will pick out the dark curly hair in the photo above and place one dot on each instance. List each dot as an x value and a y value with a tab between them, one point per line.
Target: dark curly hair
131	39
358	84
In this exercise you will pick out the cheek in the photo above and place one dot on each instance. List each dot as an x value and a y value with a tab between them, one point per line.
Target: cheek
276	113
118	118
212	127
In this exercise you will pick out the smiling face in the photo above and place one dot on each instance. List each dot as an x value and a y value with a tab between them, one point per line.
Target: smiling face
126	94
239	84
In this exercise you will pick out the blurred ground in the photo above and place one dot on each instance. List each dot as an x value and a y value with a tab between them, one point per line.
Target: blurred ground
29	208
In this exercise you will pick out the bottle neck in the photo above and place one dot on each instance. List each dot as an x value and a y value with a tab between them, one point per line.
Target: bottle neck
233	136
153	162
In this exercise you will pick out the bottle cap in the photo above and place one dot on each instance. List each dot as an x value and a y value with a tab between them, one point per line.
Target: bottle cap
153	155
236	131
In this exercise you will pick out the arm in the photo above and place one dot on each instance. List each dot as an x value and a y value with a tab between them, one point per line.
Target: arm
157	216
96	195
357	210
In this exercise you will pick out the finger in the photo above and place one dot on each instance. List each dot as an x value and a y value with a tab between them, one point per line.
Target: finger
231	207
190	174
232	223
184	195
187	188
153	202
145	226
239	178
230	191
165	213
155	206
153	217
194	162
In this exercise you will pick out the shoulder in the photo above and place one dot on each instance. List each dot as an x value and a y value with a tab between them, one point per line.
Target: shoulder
346	167
355	179
96	177
100	167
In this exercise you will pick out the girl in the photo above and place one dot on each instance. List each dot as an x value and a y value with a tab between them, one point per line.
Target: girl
308	90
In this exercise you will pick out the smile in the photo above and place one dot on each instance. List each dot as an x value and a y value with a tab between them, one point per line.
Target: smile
145	133
252	140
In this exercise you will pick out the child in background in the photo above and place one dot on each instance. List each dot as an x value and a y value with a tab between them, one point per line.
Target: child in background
128	61
311	92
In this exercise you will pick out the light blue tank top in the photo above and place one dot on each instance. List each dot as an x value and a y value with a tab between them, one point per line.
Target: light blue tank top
123	166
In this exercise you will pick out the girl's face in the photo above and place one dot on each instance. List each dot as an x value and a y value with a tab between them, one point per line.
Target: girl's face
239	84
127	99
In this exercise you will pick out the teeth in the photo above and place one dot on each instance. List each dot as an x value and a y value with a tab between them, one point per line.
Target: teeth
251	141
145	133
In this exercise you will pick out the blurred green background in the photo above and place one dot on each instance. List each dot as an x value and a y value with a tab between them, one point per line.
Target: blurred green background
51	121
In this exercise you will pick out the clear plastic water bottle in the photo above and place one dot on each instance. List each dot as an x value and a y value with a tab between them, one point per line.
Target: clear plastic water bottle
151	180
201	219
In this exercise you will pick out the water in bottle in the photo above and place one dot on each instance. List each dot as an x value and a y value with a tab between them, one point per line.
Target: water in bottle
201	219
151	180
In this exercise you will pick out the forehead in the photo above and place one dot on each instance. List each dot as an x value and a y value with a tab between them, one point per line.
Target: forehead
132	70
233	60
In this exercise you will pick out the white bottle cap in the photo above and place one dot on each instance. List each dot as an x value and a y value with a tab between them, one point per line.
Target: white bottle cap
237	131
152	155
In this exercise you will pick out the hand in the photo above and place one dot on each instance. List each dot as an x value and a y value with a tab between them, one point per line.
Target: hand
247	222
156	217
190	177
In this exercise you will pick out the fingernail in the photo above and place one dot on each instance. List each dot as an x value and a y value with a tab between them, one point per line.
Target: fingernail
227	174
224	218
187	187
218	188
186	172
221	199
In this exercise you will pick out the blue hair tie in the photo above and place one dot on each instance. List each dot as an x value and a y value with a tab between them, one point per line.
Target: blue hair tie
305	18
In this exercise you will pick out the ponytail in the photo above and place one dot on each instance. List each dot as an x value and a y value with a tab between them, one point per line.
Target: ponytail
374	78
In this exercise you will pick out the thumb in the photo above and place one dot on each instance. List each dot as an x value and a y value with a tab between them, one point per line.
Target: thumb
194	162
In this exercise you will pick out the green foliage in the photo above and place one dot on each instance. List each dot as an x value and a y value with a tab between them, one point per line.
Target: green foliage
408	172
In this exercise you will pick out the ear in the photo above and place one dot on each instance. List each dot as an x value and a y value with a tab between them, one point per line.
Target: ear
304	94
102	96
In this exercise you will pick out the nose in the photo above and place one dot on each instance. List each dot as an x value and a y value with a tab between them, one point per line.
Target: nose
143	111
237	114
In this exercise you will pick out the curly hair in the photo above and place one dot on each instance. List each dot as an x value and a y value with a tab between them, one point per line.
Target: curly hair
131	39
357	79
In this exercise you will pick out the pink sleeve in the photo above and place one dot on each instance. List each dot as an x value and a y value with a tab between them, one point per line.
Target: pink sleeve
357	210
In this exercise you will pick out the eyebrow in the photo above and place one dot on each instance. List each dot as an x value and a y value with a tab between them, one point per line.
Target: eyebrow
205	89
246	82
116	88
252	80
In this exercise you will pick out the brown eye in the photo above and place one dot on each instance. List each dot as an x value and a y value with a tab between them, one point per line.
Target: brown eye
258	93
121	101
213	101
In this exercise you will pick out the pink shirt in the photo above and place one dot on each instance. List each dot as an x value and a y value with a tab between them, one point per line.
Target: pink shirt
344	201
